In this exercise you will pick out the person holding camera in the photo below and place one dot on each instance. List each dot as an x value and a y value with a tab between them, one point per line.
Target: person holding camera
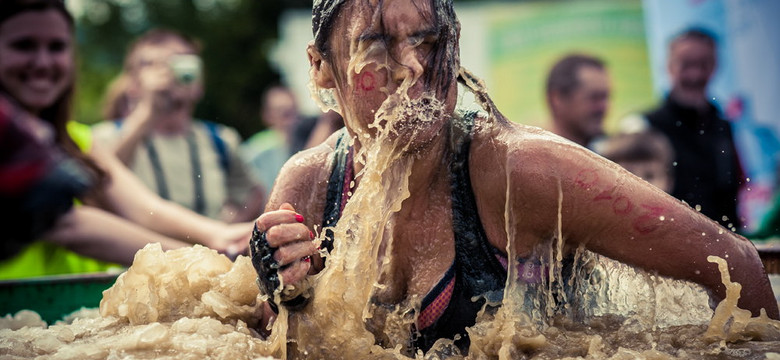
152	130
66	205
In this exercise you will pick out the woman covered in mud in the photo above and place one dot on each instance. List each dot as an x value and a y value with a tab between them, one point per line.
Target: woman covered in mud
47	161
437	199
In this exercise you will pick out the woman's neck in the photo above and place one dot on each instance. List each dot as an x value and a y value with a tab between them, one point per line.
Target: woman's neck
429	164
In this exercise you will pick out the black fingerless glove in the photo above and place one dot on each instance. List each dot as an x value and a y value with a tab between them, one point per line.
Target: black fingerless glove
267	269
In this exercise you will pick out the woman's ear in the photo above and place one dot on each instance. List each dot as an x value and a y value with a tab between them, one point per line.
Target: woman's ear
321	71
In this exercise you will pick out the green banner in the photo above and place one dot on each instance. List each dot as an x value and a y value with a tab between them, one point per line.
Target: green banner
526	39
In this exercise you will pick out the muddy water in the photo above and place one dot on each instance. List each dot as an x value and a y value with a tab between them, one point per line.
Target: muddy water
193	303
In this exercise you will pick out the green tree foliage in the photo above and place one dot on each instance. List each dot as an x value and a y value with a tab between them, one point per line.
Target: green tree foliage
237	38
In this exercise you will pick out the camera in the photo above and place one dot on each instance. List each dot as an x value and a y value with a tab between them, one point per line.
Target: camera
186	68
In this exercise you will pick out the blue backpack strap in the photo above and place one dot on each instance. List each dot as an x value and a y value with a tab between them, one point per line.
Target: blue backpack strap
219	145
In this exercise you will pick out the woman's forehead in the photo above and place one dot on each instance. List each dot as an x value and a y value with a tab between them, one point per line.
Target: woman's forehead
388	15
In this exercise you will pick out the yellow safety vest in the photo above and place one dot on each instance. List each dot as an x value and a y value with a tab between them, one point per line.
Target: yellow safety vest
42	258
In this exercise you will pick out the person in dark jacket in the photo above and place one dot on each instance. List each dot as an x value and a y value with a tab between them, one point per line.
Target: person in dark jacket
708	174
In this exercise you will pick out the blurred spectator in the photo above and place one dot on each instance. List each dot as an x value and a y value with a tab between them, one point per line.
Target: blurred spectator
647	154
708	174
266	152
327	124
190	161
578	90
46	163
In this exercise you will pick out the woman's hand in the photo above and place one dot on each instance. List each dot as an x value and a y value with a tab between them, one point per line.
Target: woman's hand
281	248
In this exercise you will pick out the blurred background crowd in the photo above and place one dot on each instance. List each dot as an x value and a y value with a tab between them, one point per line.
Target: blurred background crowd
597	72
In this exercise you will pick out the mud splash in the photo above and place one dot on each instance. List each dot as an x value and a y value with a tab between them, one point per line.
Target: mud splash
170	306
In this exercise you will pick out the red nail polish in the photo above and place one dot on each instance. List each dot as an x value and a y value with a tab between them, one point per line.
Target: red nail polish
299	218
307	259
311	235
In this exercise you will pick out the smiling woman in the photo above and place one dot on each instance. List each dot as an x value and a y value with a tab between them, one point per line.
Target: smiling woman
43	168
37	62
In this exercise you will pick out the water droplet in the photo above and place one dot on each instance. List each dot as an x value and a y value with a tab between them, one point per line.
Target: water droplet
724	218
674	163
701	132
748	179
697	272
662	218
698	208
720	232
703	234
726	256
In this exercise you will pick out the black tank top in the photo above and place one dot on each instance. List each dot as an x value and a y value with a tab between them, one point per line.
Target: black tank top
476	270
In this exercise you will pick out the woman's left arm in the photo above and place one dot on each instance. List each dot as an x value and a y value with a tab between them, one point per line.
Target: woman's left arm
616	214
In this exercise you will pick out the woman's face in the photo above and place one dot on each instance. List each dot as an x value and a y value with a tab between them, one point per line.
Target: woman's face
380	58
36	58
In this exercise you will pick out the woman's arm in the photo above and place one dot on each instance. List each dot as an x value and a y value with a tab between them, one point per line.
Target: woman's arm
101	235
614	213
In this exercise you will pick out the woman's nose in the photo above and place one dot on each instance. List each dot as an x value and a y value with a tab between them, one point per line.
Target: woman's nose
43	57
409	66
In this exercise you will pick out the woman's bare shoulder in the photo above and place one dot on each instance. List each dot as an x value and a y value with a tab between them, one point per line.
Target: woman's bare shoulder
304	177
518	145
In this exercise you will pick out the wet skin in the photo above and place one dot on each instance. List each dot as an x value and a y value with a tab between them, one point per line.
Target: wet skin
604	207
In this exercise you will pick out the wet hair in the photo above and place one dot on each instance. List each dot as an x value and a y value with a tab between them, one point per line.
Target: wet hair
695	33
444	56
563	77
323	19
58	113
156	37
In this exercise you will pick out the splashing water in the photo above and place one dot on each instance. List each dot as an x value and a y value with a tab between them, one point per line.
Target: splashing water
195	303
